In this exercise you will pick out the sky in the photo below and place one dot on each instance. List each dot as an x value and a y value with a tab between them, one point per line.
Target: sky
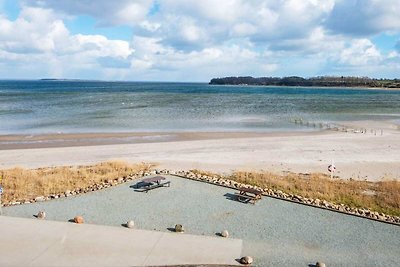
192	40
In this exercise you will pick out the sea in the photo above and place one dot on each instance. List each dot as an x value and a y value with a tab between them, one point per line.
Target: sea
62	106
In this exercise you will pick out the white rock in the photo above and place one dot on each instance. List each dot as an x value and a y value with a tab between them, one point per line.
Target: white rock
246	260
225	233
179	228
130	224
40	198
320	264
41	215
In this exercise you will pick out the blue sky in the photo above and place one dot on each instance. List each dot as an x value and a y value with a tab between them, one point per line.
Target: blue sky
188	40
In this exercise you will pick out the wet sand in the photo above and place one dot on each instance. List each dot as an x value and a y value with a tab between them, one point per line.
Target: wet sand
92	139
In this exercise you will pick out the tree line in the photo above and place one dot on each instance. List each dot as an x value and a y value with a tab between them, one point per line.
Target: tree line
321	81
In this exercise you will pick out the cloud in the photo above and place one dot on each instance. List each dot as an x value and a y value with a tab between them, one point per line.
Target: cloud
363	18
37	38
34	31
360	52
197	24
197	40
317	42
153	59
127	12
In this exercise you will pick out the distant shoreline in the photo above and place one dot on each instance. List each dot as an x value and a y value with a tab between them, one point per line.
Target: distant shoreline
314	87
322	82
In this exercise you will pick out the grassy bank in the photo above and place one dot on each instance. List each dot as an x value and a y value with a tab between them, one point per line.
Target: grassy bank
19	183
382	196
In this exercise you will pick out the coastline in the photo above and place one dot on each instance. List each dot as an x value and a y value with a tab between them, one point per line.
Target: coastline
25	141
367	156
312	87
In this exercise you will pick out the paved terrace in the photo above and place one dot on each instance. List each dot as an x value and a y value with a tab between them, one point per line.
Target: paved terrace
274	232
27	242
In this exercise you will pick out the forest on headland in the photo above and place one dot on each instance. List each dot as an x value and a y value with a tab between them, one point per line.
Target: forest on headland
320	81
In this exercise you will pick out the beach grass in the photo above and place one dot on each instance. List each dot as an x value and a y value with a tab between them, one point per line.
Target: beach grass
19	183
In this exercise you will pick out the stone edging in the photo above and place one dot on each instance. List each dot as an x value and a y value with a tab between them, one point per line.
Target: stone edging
278	194
78	191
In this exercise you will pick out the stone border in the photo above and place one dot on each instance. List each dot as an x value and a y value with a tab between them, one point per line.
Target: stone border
278	194
215	180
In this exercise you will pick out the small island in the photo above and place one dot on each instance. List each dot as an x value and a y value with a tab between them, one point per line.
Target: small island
320	81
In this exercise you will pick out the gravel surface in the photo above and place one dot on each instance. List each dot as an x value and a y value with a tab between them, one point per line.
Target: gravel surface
274	232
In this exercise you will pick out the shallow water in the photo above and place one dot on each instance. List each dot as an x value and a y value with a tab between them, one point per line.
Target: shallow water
36	107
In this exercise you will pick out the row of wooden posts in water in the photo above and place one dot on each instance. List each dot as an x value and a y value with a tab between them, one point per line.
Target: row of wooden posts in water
336	127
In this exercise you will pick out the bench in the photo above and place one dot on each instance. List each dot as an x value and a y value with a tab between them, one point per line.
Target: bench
248	195
154	182
149	187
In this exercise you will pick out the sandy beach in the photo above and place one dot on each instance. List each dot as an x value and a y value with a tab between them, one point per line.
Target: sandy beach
372	155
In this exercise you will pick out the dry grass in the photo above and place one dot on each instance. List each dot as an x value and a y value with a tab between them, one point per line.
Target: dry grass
19	183
382	196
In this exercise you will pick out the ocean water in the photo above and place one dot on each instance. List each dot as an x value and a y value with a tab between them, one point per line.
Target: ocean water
36	107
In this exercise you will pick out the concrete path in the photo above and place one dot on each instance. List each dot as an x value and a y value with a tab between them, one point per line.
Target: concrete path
32	242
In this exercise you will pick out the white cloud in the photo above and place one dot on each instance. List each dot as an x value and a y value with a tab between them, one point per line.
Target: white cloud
214	22
152	60
197	40
365	17
40	40
128	12
34	31
360	52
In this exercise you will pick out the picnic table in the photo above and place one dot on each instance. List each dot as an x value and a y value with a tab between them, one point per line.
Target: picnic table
247	195
154	182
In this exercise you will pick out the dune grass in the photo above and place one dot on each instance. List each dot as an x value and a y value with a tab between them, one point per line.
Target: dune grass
20	183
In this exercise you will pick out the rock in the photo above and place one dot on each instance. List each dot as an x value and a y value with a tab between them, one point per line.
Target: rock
40	199
130	224
41	214
380	217
320	264
78	219
246	260
179	228
225	233
120	180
